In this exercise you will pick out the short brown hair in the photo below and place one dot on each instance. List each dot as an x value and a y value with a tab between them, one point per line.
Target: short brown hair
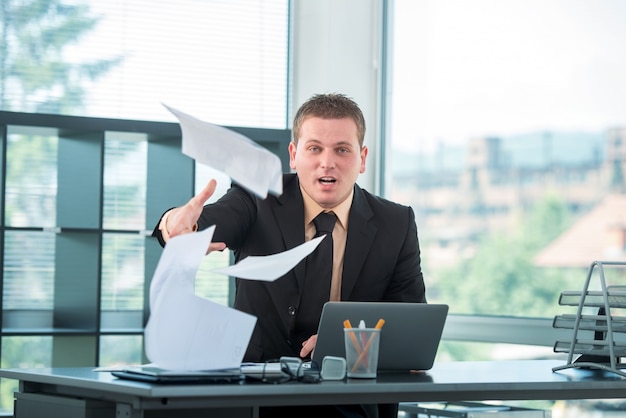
330	106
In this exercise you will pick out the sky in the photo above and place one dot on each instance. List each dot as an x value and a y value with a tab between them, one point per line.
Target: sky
497	67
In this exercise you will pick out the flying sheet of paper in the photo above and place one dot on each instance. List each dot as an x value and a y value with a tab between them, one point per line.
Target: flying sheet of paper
246	162
184	331
270	267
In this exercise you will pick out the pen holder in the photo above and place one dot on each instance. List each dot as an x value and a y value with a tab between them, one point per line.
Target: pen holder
362	352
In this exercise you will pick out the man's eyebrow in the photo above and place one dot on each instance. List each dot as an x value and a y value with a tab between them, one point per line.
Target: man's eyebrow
345	143
337	144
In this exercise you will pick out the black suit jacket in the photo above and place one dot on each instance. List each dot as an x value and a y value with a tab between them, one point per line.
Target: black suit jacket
381	262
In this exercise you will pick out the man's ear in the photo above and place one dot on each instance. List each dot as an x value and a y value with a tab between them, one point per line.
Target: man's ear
292	155
363	158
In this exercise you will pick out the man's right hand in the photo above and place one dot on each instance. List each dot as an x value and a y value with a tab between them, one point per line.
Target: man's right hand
183	219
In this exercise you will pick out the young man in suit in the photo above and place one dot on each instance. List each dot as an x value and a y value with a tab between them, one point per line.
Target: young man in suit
375	251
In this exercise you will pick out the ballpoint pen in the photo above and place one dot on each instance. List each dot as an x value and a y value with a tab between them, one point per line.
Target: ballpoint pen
363	337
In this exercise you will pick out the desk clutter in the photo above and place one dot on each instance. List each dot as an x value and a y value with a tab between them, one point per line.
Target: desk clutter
598	326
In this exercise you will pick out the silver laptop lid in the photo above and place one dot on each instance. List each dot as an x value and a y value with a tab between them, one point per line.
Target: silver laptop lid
409	338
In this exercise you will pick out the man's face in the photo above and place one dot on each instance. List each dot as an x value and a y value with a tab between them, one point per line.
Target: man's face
328	159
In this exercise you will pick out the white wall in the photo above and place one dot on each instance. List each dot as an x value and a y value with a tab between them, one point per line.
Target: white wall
336	48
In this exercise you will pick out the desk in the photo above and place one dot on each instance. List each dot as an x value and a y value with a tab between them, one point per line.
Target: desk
454	381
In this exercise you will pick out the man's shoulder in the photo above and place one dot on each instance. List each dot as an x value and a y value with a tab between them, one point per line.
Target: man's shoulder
290	179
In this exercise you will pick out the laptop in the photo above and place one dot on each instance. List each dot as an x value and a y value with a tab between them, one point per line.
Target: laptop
153	374
409	338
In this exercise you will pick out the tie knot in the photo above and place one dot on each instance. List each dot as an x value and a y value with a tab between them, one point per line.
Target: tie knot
325	222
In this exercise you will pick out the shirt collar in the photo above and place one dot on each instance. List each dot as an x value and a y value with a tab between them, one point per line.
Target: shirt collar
312	209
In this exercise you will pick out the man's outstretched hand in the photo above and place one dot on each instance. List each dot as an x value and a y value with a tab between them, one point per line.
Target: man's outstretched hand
183	219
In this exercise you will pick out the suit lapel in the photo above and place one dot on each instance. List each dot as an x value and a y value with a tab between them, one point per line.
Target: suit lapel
290	218
361	234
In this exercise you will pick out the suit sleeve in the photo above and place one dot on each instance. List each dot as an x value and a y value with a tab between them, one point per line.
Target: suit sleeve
232	215
156	233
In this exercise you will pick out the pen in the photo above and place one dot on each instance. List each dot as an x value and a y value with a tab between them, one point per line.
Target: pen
362	337
361	357
362	326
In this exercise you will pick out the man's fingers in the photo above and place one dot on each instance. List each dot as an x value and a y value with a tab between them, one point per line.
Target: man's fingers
182	220
206	193
308	346
216	246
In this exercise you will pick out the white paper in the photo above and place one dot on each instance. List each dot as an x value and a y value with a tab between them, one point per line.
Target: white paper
270	267
187	332
247	163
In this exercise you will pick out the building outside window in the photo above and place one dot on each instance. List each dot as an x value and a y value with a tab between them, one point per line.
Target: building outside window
507	138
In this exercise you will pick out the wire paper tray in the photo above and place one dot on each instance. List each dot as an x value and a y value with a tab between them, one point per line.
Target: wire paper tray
607	347
589	322
595	298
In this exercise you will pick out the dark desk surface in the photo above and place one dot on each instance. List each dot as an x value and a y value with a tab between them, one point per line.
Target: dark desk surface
454	381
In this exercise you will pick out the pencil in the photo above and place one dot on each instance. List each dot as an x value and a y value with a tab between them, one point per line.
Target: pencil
355	342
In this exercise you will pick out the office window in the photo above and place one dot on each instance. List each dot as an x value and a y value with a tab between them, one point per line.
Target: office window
120	349
212	286
28	272
122	272
80	200
125	158
30	195
83	282
506	137
30	202
223	61
39	349
124	210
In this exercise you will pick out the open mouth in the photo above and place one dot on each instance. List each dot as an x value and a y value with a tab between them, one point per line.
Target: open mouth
327	180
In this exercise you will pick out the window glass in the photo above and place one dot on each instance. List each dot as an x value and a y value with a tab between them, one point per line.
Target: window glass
28	271
30	198
223	61
122	271
484	351
213	286
39	349
31	177
508	139
120	349
125	162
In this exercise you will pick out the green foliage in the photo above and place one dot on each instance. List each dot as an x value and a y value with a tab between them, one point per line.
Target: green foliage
121	349
22	352
501	279
35	76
